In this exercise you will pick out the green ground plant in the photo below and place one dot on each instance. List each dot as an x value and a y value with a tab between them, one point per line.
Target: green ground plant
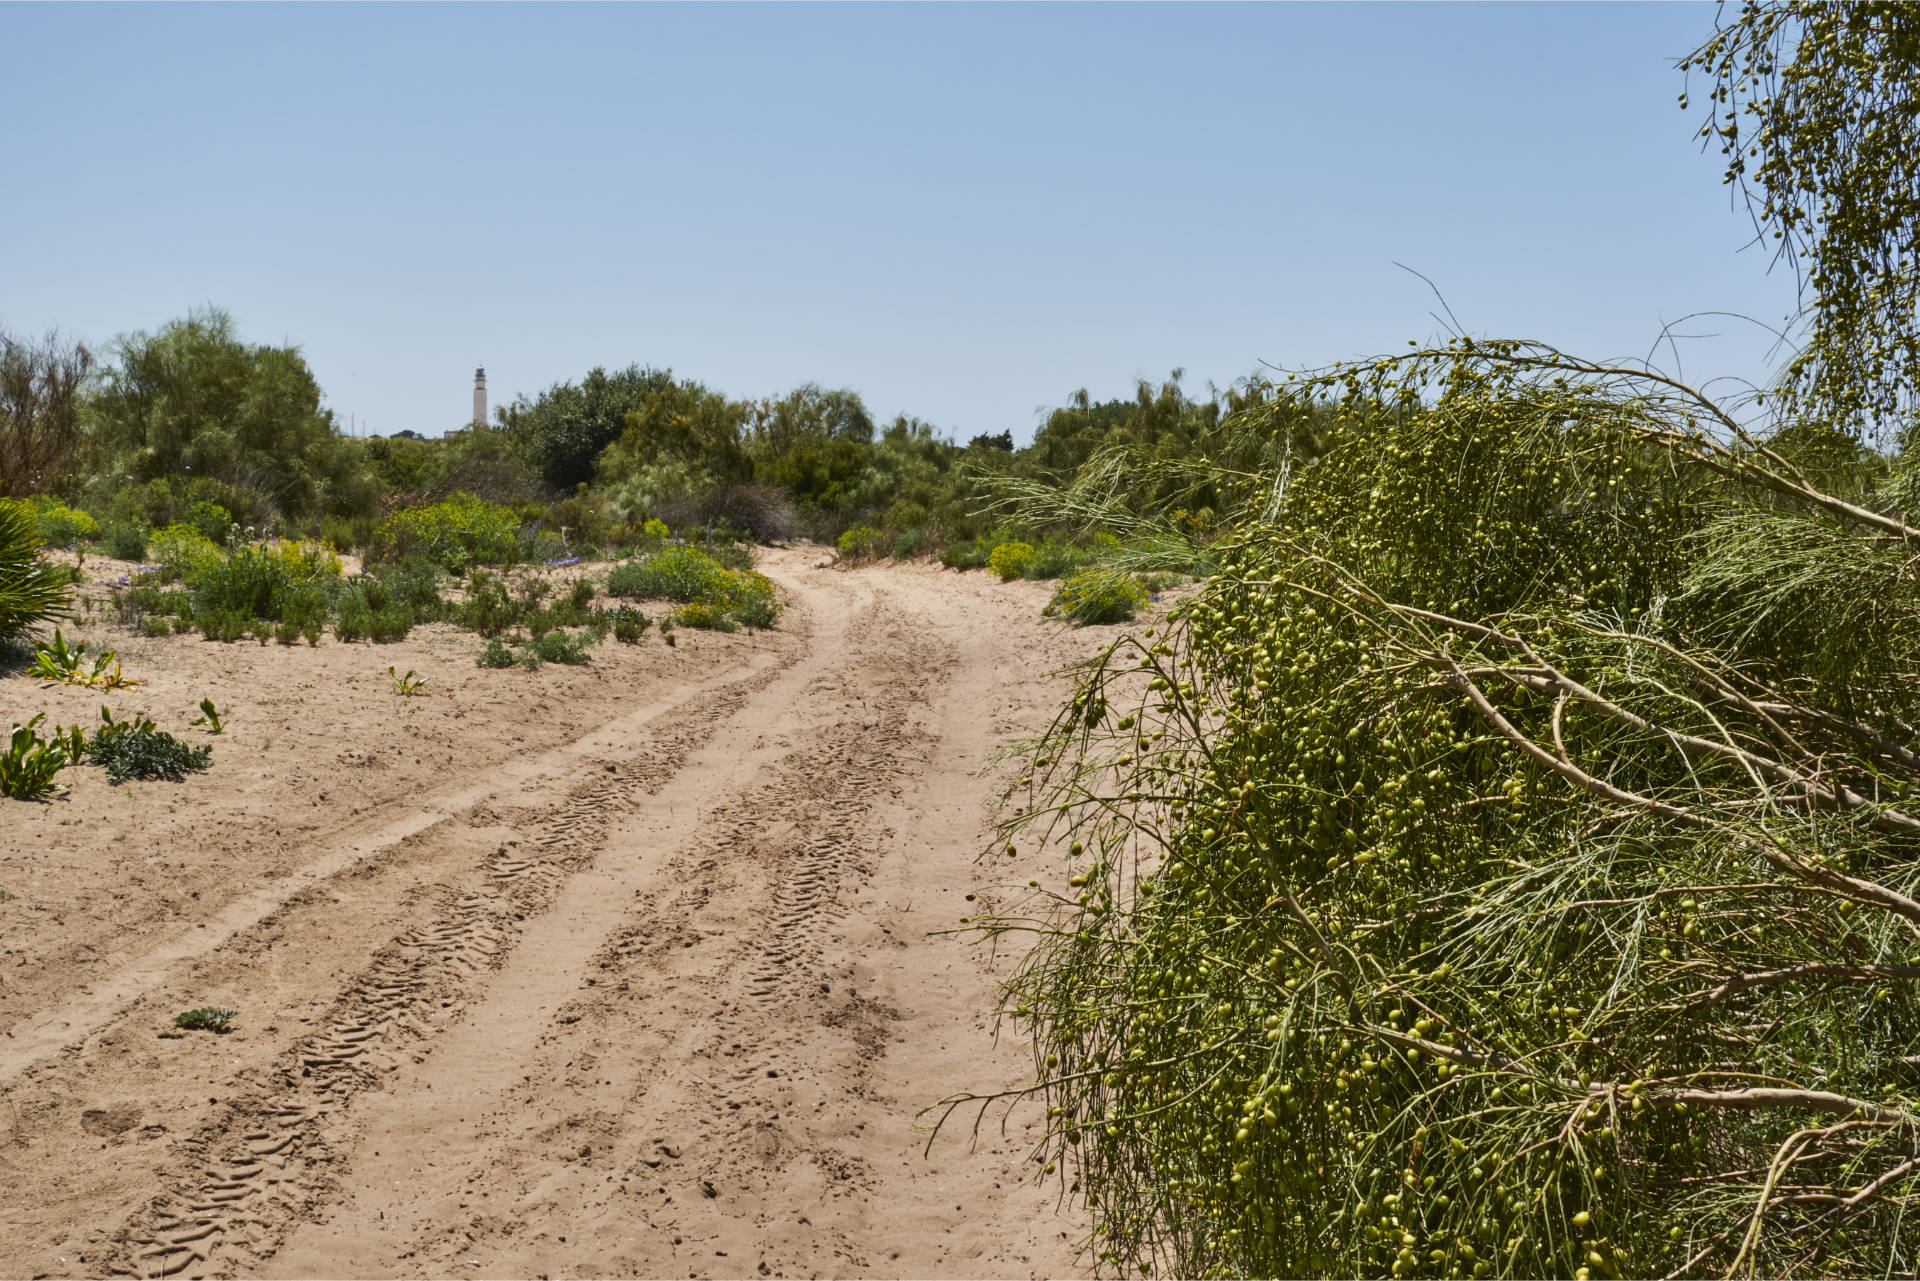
210	716
138	749
30	765
206	1018
862	542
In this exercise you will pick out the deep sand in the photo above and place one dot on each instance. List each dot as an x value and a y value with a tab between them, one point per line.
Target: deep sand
626	970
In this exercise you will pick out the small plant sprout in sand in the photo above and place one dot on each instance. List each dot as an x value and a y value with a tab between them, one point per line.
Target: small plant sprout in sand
407	685
207	1018
210	716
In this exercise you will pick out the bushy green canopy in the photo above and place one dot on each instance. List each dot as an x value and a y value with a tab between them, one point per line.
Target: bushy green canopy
193	401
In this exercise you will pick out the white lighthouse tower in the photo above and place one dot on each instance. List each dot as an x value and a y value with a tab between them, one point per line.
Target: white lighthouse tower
480	396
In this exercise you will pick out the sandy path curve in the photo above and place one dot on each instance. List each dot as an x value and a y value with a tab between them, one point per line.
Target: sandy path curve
672	1012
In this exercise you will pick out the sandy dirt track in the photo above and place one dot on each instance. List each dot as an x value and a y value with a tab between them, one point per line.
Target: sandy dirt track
630	970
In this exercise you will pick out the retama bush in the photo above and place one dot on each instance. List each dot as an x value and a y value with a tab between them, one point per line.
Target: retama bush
1095	596
1010	560
464	530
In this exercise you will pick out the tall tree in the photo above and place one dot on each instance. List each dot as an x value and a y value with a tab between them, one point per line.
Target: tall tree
194	400
41	385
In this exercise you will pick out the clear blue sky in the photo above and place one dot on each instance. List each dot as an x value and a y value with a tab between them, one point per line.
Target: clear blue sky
961	212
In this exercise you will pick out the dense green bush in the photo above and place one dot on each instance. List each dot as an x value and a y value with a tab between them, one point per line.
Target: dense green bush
677	574
1091	596
1052	559
1010	560
125	541
862	542
462	531
62	526
557	646
909	543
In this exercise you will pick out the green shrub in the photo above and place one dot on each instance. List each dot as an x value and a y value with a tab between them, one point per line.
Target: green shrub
629	624
154	626
32	591
862	542
560	647
488	608
124	541
225	626
180	551
30	764
137	749
205	1019
212	521
414	583
758	611
704	617
581	593
62	526
465	530
1050	560
250	582
909	543
677	574
385	626
494	655
1092	596
354	622
1010	560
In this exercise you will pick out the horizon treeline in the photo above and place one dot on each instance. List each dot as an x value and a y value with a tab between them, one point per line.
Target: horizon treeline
192	413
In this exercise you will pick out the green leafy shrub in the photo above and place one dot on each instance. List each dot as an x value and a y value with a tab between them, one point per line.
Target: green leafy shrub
32	591
628	624
488	608
465	530
677	574
862	542
205	1019
138	749
154	627
1050	560
909	543
494	655
180	551
354	622
581	594
1010	560
385	626
705	617
59	525
562	647
211	521
124	540
1096	596
30	765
